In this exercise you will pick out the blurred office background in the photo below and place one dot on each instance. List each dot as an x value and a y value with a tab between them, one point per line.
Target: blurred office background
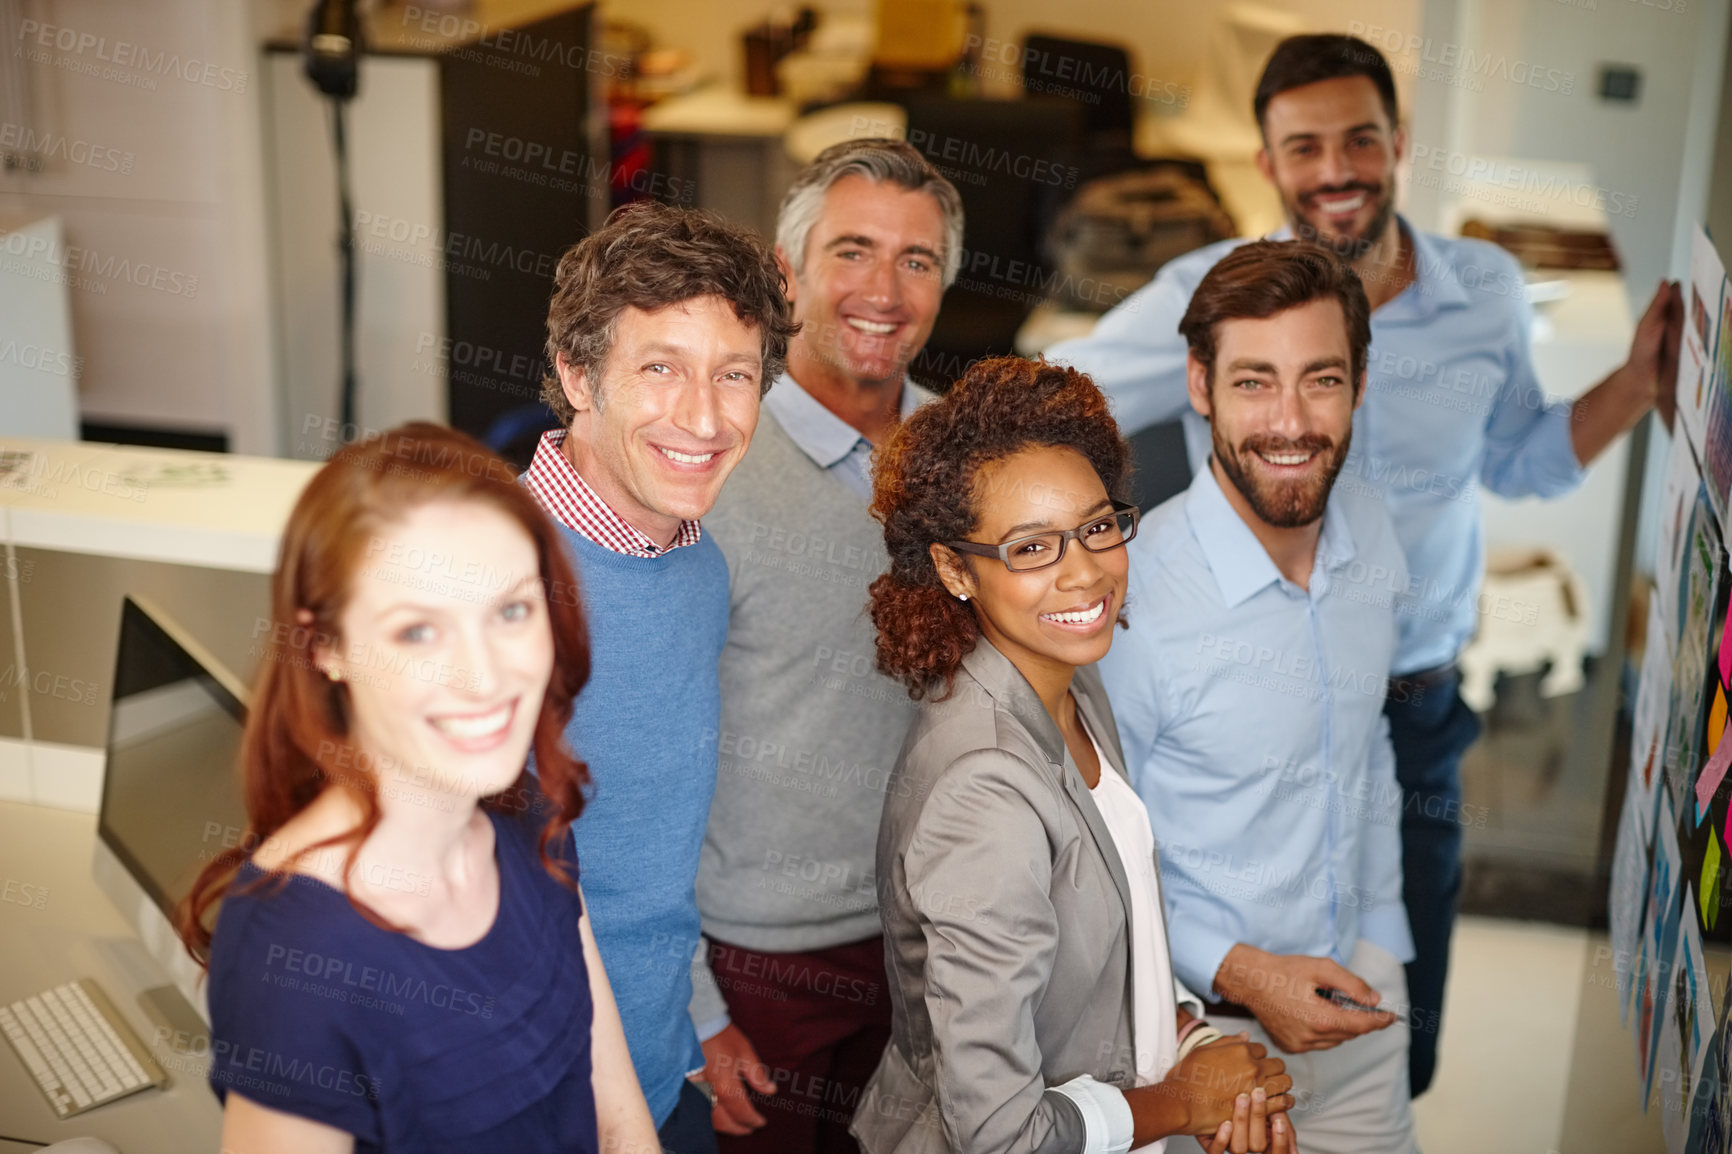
169	272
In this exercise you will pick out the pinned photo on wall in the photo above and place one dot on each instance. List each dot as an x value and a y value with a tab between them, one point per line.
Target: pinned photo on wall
1708	1111
1699	580
1718	753
1717	444
1659	943
1649	719
1677	503
1671	1062
1717	453
1707	275
1631	863
1711	1114
1685	1034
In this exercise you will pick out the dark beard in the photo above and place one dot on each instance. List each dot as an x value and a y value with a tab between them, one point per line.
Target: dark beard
1349	248
1286	506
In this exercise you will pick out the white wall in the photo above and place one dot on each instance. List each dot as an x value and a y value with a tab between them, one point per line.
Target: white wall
393	137
1636	151
149	116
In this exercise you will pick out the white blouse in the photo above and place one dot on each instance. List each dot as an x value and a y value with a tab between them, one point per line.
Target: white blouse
1155	992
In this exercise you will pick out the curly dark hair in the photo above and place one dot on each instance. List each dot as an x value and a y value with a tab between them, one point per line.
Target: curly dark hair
649	256
923	490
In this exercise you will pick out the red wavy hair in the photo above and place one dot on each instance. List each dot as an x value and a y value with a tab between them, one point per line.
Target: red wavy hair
296	742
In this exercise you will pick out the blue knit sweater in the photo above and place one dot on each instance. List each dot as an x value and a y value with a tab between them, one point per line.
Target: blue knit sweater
647	724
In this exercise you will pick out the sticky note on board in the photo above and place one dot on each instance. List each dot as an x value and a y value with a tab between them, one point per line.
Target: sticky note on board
1717	718
1712	774
1726	647
1708	893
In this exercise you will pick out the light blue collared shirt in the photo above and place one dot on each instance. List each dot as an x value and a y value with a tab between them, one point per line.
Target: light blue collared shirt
826	438
1452	403
1251	715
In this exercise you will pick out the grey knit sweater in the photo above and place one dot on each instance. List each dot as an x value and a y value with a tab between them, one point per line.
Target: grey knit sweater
810	729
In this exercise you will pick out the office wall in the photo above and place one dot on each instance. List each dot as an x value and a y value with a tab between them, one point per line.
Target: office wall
1636	150
393	126
146	116
1169	39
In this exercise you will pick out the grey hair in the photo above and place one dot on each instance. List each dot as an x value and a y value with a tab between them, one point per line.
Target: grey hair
877	159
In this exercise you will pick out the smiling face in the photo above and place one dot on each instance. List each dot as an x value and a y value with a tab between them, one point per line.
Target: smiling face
446	649
1280	404
673	414
869	286
1331	153
1058	617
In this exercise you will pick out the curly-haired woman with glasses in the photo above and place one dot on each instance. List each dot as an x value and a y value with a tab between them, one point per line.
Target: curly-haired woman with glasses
1035	1007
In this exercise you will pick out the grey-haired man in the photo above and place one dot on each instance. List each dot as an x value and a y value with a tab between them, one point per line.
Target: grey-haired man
797	1017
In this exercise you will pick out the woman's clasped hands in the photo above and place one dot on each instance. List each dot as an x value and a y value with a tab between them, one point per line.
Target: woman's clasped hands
1229	1094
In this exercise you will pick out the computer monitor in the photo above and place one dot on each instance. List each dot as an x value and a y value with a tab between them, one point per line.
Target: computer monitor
171	795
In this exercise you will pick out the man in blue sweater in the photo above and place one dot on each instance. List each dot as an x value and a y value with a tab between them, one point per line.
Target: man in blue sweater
665	328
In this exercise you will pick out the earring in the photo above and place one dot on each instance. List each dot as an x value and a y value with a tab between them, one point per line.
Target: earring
334	675
962	597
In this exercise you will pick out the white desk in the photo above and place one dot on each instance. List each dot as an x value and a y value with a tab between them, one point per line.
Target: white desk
82	525
186	508
77	934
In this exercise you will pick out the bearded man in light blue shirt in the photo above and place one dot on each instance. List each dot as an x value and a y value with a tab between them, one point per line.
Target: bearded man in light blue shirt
1249	695
1452	403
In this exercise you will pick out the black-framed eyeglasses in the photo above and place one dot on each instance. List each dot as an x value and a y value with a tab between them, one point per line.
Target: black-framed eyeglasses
1038	550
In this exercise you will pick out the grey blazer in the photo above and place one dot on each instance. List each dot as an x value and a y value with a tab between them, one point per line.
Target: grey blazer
1006	931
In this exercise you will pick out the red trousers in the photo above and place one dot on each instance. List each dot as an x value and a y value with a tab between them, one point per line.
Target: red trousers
820	1022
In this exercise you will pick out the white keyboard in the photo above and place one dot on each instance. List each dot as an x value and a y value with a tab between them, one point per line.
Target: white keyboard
80	1051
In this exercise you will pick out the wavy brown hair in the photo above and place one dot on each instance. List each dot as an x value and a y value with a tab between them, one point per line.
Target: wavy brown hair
649	256
296	744
924	492
1266	277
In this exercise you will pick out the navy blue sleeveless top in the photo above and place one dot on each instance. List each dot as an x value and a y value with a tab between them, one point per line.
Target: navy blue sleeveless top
317	1012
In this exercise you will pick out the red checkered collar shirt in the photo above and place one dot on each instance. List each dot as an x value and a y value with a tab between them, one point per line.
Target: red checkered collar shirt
567	496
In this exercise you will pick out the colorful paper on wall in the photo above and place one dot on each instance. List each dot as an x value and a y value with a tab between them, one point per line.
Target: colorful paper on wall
1717	717
1716	455
1648	728
1709	1112
1677	504
1699	580
1670	1067
1719	759
1726	647
1684	1034
1701	327
1631	863
1659	941
1708	887
1672	859
1718	753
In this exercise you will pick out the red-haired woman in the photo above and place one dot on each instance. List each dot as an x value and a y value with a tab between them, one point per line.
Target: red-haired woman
1034	1003
401	960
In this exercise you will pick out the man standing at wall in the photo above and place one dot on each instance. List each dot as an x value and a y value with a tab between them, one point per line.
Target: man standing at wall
1249	697
665	328
868	236
1452	404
